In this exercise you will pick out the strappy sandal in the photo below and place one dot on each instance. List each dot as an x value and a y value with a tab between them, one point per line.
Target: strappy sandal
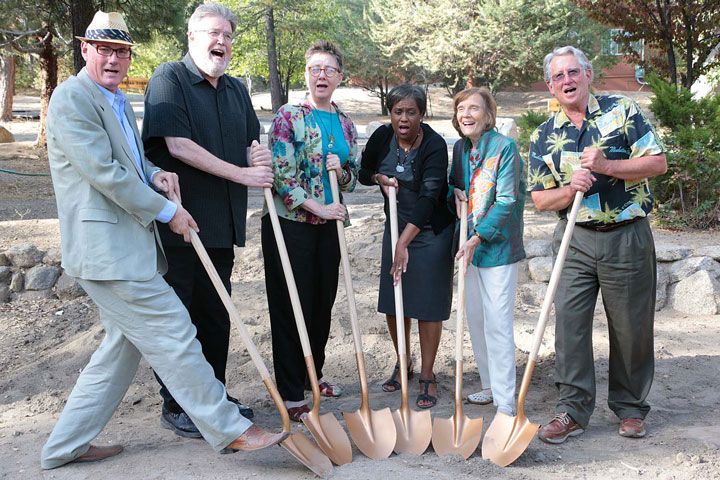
297	413
430	401
392	384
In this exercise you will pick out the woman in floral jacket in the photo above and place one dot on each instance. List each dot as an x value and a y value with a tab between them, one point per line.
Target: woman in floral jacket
307	140
487	172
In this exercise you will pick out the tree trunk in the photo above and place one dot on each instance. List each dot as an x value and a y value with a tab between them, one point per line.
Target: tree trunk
7	87
82	14
383	91
49	78
275	88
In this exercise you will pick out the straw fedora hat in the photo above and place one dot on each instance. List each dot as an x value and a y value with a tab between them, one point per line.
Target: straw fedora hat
108	27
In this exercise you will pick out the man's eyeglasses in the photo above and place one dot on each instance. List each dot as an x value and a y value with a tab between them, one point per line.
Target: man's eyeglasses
215	34
329	71
122	52
573	73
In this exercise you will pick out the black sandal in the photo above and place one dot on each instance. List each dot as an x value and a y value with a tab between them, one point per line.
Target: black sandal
392	384
425	396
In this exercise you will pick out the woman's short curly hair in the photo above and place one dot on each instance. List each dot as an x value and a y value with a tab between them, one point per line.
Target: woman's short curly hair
324	46
490	107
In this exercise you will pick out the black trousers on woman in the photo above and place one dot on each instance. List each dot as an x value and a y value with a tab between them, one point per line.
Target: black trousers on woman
315	257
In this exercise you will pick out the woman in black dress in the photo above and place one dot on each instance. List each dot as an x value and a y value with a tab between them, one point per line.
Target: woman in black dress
411	157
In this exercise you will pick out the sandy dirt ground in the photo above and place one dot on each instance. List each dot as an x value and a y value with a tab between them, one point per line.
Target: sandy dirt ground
45	343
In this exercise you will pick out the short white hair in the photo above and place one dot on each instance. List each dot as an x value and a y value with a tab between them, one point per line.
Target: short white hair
581	58
211	10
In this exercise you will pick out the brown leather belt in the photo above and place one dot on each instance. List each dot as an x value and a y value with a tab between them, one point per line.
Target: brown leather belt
611	226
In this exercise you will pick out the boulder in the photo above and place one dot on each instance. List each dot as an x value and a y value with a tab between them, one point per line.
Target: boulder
17	283
712	251
24	255
538	248
532	293
5	273
30	295
41	277
4	293
507	127
371	127
698	294
682	269
4	260
53	257
67	287
6	136
523	272
663	280
540	268
668	252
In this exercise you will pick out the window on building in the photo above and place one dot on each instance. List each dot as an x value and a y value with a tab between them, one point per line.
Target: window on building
611	47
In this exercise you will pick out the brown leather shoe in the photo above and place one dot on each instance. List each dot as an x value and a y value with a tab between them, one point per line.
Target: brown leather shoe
559	429
632	427
98	453
256	438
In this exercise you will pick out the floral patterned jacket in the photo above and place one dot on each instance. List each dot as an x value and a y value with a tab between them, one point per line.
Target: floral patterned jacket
296	145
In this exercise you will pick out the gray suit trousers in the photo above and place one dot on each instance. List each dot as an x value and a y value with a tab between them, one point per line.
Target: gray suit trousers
141	318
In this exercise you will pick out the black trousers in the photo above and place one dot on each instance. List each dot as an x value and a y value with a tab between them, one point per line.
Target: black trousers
187	276
315	257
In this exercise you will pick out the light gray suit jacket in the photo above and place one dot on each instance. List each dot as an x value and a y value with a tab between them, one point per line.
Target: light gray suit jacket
106	211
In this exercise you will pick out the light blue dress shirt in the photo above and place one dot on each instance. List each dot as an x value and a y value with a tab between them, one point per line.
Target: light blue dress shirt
117	101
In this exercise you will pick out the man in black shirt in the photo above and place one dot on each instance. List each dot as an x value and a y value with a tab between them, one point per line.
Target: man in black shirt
199	123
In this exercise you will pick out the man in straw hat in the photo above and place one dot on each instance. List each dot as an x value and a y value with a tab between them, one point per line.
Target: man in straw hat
198	123
109	199
603	146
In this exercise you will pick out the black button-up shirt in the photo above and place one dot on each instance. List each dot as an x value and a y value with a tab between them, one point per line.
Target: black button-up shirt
180	102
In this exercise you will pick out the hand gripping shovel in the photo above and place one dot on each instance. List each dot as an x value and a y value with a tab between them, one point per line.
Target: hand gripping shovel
372	430
458	434
297	444
508	437
326	430
414	429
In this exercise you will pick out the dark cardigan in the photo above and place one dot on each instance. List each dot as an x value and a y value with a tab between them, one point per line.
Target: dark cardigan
429	173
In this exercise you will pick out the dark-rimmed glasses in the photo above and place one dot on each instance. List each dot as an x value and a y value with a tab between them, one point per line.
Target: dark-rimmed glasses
329	71
122	52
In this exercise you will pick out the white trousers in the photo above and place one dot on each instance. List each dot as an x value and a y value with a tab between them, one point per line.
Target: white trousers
141	319
489	306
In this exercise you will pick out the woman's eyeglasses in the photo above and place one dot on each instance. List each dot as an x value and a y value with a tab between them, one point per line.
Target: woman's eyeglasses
329	71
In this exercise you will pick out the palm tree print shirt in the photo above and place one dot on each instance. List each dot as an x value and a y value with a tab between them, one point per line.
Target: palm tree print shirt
615	125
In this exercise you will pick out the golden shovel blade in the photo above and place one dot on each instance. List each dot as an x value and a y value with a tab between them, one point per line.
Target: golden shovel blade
457	434
507	438
372	431
414	431
302	448
330	436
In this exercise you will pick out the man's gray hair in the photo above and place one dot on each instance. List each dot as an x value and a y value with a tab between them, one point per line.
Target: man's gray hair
581	58
211	10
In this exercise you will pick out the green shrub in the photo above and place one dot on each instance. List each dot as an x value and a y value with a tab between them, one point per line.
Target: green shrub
527	124
689	193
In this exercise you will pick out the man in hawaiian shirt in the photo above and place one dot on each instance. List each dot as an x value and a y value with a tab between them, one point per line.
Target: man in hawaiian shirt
605	147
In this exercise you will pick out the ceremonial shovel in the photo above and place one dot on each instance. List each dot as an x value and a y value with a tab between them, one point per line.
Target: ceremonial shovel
458	434
414	429
326	430
297	443
508	437
371	430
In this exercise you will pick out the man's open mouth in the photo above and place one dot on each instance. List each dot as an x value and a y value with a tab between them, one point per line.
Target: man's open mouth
217	52
569	90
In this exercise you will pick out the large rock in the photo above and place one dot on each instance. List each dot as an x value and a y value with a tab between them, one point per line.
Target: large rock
663	280
371	127
4	293
24	255
698	294
17	283
5	273
67	287
523	272
53	257
532	293
31	295
507	127
6	136
540	268
712	251
682	269
669	252
538	248
41	277
4	260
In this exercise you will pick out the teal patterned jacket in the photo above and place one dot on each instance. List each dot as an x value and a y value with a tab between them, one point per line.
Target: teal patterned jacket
296	145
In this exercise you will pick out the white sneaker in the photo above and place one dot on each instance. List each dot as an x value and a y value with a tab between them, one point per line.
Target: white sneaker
480	398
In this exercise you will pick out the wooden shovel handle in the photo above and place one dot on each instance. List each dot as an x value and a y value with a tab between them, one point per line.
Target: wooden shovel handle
460	314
